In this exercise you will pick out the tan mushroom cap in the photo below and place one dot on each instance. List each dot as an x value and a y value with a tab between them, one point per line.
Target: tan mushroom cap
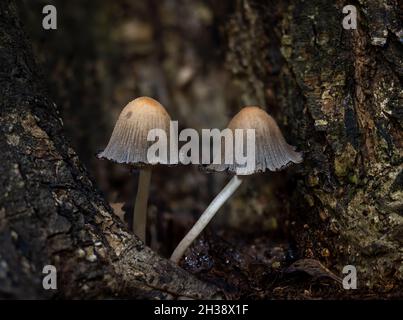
128	143
272	152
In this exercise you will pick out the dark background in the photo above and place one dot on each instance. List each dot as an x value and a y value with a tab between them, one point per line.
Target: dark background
106	53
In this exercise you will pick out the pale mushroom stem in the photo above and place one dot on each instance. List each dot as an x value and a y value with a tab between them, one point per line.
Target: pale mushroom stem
205	218
140	207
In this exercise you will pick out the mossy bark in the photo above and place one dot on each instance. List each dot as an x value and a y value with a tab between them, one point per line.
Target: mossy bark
338	94
50	211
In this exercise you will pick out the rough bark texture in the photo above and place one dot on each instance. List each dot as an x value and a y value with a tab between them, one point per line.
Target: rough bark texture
340	95
50	211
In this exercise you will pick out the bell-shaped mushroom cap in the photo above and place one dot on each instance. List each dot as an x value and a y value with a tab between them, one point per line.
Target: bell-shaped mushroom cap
272	152
128	143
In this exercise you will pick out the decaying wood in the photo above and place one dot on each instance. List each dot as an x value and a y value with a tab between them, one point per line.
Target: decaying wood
50	211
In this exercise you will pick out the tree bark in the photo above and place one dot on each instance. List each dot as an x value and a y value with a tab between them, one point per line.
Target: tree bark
338	94
50	211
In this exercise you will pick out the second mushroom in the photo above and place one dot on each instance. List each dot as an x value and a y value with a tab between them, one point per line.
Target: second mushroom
272	152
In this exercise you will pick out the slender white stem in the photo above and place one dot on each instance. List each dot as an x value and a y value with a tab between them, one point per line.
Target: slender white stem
205	218
140	207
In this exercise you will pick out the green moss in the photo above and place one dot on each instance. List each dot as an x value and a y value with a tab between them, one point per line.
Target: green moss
340	167
344	162
313	180
353	179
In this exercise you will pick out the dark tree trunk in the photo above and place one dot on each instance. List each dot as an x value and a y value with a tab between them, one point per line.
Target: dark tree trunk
50	211
340	96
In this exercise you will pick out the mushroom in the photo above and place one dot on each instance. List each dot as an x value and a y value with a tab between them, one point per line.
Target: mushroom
272	152
128	144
